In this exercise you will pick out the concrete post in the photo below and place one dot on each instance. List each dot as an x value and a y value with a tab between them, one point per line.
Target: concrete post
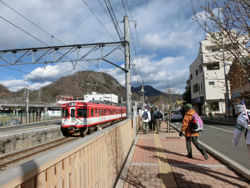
27	104
127	67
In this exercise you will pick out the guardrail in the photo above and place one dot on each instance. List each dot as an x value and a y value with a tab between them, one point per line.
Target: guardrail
93	161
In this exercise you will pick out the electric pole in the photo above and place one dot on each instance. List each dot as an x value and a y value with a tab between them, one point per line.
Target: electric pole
27	104
127	67
142	96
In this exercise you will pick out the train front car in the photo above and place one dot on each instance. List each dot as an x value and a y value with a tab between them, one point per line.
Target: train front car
74	118
80	117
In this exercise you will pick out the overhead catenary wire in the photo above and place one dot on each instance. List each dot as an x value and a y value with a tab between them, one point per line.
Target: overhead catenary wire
133	42
83	1
103	8
123	4
42	29
24	31
114	19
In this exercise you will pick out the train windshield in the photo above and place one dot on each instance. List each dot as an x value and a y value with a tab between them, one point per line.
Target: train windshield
82	113
65	112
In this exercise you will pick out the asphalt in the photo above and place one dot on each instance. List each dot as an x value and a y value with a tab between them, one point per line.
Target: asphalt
159	160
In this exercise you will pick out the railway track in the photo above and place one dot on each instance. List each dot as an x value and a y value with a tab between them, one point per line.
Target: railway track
27	154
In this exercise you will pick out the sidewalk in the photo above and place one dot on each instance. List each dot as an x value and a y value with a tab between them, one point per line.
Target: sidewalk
159	160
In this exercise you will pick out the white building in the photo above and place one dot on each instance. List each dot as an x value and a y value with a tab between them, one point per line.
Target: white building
101	97
207	78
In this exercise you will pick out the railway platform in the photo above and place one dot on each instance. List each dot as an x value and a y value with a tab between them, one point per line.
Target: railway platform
159	160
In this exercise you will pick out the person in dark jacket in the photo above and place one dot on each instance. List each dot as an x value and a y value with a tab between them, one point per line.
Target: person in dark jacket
152	122
191	136
158	119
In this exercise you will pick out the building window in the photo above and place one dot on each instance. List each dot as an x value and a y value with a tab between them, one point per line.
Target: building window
215	49
213	66
200	68
211	83
196	72
196	88
214	106
191	77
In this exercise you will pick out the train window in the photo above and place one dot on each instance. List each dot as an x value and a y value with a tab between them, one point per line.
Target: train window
104	112
82	113
100	112
65	112
95	112
72	113
92	112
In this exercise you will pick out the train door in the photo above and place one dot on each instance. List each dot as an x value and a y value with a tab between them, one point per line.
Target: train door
72	113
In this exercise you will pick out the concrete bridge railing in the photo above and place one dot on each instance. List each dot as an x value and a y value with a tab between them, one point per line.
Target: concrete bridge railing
92	161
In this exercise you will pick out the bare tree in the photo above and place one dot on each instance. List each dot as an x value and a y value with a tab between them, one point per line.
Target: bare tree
226	21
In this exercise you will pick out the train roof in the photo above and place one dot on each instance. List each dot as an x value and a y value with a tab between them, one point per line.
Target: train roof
81	103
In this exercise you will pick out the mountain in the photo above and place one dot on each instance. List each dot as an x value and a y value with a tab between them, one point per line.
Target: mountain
149	91
81	83
85	82
4	92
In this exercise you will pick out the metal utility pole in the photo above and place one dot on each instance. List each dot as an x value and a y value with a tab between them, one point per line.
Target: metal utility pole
127	66
169	111
142	95
27	104
226	84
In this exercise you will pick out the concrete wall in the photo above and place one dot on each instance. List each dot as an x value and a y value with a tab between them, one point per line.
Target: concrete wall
15	141
92	161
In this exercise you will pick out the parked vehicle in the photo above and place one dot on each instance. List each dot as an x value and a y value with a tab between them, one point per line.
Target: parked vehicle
176	116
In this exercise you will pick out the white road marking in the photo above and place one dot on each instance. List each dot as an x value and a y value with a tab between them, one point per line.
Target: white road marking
214	128
219	128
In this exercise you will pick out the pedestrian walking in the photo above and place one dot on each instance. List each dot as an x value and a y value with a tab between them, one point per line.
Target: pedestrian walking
242	125
146	117
158	118
191	136
152	122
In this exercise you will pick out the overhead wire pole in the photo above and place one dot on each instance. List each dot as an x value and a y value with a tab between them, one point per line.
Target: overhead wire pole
127	67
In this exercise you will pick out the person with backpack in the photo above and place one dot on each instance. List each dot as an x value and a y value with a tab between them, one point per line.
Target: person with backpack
158	119
242	125
191	136
146	117
152	121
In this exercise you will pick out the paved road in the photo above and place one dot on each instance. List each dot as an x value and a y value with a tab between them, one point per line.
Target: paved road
220	137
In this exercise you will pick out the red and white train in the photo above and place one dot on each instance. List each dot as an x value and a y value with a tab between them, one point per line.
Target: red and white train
80	117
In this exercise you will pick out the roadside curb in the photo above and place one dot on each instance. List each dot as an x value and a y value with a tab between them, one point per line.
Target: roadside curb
220	122
226	160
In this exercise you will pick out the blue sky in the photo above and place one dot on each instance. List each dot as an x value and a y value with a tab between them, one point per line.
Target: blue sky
166	39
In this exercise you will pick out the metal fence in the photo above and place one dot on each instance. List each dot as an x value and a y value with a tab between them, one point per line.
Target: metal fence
8	119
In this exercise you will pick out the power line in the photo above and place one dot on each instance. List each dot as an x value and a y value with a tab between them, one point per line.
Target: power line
104	10
24	31
113	17
52	36
133	41
83	1
124	7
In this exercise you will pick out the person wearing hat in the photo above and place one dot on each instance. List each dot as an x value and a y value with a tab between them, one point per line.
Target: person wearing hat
146	118
191	136
241	125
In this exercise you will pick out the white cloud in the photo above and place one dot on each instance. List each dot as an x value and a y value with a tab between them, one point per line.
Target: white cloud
14	85
168	38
